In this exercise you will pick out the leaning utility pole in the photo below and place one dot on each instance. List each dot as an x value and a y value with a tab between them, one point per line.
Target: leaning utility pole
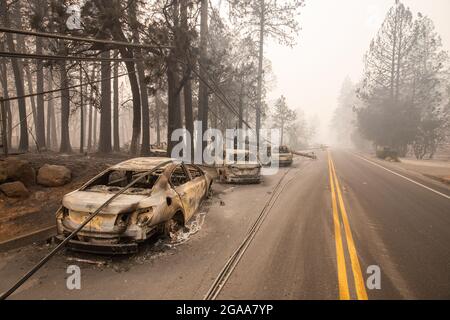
4	132
82	116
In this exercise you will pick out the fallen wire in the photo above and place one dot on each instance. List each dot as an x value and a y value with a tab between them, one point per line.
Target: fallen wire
20	55
234	259
44	260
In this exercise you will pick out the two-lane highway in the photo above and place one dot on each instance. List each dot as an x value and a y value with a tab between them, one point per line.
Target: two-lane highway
399	225
337	223
312	231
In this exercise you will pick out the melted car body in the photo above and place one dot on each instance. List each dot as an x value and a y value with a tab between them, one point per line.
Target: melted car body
239	166
170	194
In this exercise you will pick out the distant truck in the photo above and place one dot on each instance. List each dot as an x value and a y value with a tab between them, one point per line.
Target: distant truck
386	153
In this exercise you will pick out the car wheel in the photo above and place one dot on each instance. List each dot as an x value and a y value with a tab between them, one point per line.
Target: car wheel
209	192
171	227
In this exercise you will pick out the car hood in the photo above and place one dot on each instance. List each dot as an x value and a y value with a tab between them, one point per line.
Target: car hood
87	201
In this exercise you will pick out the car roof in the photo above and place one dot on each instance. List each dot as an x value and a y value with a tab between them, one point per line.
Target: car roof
142	164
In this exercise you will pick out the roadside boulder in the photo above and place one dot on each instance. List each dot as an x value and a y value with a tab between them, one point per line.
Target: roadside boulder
3	171
53	175
14	189
20	170
41	196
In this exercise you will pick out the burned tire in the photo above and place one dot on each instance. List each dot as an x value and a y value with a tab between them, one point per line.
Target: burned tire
209	193
172	226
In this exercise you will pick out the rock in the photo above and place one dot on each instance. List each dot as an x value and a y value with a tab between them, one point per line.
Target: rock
3	171
20	170
14	189
53	175
41	196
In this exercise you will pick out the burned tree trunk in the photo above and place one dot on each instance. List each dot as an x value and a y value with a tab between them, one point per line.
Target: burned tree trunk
145	146
136	102
91	110
52	139
104	144
118	34
82	113
31	99
116	146
18	80
40	112
158	117
260	69
65	146
173	82
203	89
187	89
5	94
174	107
94	130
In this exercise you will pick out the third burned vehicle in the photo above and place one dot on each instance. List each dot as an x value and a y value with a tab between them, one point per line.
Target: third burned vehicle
282	156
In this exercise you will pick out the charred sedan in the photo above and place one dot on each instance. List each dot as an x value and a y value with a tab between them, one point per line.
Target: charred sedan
240	166
161	202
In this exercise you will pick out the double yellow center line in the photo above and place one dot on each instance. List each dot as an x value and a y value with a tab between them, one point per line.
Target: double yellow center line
336	198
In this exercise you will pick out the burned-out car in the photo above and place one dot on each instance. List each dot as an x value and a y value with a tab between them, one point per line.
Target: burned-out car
283	156
162	201
239	166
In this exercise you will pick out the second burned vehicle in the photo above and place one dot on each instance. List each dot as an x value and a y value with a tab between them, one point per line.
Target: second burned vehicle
239	166
163	201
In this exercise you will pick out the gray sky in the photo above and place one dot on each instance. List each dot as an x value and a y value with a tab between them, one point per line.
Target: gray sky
334	37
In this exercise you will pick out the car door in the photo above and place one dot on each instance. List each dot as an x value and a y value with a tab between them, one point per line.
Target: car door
181	183
199	183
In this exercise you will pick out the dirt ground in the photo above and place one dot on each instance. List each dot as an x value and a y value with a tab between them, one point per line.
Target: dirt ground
436	169
24	216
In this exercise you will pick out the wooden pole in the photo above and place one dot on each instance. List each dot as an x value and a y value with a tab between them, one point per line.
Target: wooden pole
81	111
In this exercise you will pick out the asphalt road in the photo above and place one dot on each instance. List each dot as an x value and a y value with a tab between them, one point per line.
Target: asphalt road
320	225
397	225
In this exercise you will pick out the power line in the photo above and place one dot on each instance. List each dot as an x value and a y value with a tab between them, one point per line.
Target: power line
223	99
55	90
224	95
227	103
65	88
18	55
217	91
44	260
213	91
53	35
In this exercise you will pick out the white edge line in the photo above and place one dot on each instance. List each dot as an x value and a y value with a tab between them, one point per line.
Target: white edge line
402	176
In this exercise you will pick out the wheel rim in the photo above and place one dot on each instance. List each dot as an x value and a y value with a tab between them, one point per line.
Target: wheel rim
172	228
